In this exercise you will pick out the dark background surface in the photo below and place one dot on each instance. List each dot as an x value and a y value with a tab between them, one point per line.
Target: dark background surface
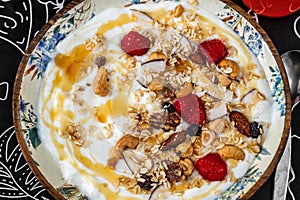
16	180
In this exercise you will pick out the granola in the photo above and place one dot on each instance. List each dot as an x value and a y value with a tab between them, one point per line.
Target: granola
171	90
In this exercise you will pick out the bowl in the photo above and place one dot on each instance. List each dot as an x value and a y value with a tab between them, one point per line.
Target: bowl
31	79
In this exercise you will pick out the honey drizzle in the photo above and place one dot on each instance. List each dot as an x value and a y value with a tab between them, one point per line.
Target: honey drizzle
69	66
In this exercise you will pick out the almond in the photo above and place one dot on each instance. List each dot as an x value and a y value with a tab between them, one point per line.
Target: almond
240	122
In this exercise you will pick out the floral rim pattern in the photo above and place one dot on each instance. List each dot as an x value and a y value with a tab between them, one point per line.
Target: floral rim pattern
40	57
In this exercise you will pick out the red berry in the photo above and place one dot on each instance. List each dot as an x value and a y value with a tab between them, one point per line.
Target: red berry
213	50
135	44
212	167
190	108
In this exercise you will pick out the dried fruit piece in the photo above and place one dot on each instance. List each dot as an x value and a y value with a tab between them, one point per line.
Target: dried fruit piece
255	129
213	50
194	130
190	108
212	167
240	122
145	182
173	140
168	106
230	151
100	61
135	44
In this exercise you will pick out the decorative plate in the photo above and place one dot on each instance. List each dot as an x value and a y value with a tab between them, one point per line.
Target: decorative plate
35	78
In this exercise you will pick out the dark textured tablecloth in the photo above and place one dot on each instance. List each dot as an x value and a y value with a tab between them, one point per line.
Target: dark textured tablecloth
20	21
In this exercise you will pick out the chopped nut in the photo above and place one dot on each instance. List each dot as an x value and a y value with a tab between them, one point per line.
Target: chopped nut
157	55
224	80
175	173
165	120
101	82
178	10
155	85
230	151
127	141
185	149
197	58
186	89
229	67
218	125
173	140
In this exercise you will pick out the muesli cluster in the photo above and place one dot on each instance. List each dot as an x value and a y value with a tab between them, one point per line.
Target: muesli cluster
191	105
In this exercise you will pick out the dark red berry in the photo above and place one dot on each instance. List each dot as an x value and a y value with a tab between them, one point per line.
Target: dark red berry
190	108
135	44
213	50
212	167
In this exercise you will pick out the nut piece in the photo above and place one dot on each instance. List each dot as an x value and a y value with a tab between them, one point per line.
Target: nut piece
187	166
240	122
157	55
218	125
155	85
173	140
101	82
185	149
127	141
229	67
178	10
197	58
186	89
166	120
175	173
230	151
224	80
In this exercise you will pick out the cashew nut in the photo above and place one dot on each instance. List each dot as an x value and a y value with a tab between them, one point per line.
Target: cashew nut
229	67
127	141
187	166
230	151
101	84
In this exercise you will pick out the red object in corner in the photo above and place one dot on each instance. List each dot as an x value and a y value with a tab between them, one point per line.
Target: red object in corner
273	8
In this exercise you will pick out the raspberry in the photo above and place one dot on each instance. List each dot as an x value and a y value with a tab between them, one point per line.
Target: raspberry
190	108
213	50
212	167
135	44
